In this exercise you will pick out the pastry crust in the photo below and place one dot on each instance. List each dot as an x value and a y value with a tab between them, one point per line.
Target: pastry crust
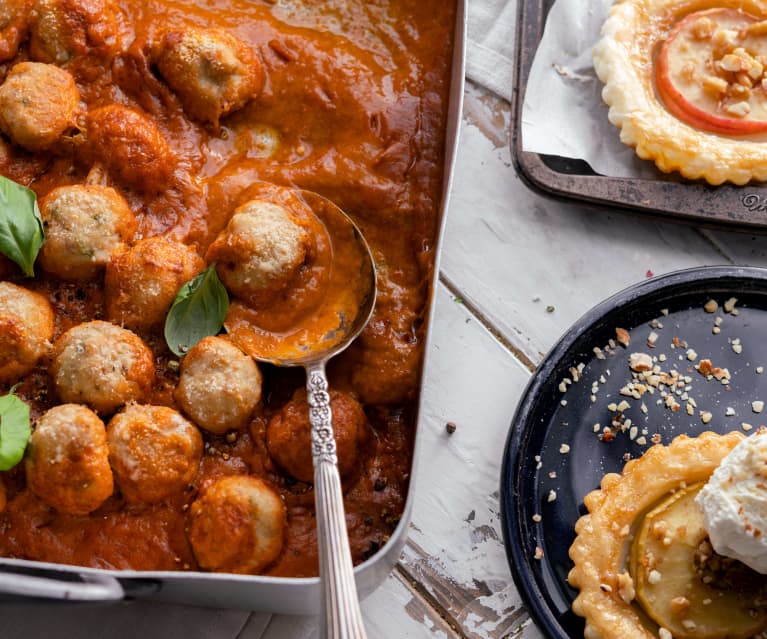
599	549
623	60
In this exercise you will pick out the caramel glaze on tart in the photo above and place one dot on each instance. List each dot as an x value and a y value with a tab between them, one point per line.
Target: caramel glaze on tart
612	543
685	84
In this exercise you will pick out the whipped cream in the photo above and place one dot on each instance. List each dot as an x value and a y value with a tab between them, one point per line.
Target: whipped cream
734	503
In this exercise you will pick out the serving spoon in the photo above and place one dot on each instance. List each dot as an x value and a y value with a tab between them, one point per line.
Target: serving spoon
341	616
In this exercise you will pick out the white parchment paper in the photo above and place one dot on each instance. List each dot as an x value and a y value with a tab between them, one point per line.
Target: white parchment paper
563	113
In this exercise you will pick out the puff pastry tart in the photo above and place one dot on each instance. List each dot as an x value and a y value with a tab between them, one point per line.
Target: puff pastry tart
686	82
642	558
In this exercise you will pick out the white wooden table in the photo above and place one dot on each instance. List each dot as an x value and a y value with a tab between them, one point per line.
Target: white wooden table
508	255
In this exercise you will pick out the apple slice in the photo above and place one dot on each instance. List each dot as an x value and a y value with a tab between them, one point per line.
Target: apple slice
673	591
697	70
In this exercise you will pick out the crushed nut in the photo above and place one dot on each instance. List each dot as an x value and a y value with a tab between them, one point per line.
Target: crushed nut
738	109
623	337
711	306
640	362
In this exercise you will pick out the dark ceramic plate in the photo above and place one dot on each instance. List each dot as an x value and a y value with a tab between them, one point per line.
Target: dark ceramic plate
665	196
547	418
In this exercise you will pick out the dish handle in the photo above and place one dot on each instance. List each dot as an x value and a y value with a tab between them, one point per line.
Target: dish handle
91	588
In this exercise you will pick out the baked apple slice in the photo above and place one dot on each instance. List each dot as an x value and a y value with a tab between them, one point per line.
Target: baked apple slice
709	72
681	588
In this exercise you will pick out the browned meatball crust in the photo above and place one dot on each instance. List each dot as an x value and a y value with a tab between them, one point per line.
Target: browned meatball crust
84	226
237	525
38	104
14	21
142	282
212	72
101	365
219	385
289	435
63	29
26	330
260	251
131	147
154	451
66	460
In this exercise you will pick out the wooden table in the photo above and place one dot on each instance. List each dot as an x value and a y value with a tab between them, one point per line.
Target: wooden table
517	270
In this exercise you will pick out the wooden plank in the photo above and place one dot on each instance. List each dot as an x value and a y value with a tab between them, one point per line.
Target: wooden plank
512	254
394	610
455	551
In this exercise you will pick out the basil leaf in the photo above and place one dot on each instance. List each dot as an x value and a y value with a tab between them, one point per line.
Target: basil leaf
21	228
198	311
14	430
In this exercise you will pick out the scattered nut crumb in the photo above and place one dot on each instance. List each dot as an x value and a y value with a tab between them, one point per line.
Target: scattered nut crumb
711	306
552	496
538	553
537	518
623	337
564	449
757	406
705	416
729	305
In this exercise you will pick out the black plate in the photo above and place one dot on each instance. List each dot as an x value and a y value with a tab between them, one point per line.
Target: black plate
543	423
667	197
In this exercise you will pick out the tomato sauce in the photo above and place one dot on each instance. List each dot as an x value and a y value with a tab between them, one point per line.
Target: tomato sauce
353	107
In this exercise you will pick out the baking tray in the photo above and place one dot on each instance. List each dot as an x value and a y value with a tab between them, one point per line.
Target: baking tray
547	418
667	196
23	580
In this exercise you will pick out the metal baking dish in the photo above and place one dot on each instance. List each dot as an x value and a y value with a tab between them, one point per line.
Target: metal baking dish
667	196
25	580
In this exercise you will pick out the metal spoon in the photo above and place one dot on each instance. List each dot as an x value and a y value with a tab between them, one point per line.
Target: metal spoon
341	616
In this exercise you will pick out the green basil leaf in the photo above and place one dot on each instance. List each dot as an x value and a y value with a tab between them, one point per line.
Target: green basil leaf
198	311
14	430
21	228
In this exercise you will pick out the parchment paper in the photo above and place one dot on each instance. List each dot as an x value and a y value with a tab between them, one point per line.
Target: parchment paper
563	113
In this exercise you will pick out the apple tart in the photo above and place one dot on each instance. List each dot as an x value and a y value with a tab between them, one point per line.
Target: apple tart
686	83
643	561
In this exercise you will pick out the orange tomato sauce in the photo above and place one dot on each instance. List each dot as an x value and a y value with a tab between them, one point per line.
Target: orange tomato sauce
354	108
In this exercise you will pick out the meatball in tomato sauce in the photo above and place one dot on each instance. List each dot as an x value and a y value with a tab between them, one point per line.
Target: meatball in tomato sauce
84	226
238	525
154	451
63	29
38	104
101	365
219	385
210	70
260	251
289	435
131	147
67	465
142	282
26	330
14	21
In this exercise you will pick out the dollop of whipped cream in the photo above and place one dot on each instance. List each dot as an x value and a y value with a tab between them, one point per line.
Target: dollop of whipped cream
734	503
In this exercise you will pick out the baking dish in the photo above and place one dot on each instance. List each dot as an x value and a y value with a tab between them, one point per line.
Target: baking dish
39	580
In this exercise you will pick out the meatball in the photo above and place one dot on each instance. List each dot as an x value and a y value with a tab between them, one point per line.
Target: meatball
14	16
154	451
260	251
67	460
131	147
142	282
219	385
238	525
38	104
84	225
63	29
289	435
102	365
26	330
212	72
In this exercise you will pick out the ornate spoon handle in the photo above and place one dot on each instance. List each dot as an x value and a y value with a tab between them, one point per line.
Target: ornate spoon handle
341	616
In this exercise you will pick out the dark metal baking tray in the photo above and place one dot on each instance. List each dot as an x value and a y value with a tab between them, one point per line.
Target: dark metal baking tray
668	196
542	424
